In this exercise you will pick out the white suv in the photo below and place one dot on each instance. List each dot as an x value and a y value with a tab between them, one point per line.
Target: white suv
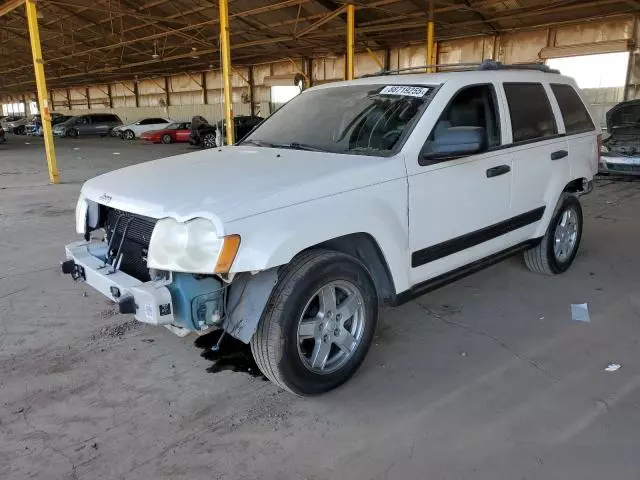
354	193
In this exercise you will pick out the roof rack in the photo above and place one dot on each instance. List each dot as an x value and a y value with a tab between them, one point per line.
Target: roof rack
466	67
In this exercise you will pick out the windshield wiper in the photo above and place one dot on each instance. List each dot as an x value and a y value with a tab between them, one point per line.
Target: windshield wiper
292	145
257	143
297	146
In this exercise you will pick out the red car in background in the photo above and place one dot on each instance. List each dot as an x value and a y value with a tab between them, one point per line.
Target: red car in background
175	132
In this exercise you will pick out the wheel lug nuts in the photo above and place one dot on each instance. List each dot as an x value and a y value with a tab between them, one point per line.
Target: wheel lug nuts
329	314
336	332
325	338
338	317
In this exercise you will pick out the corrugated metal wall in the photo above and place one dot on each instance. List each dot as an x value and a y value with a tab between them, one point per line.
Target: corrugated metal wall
182	96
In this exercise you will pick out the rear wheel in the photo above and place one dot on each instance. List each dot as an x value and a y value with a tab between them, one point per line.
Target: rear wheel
21	130
319	323
560	244
72	132
128	135
166	138
209	140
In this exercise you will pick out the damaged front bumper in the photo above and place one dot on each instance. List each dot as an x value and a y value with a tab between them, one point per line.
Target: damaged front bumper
181	302
150	302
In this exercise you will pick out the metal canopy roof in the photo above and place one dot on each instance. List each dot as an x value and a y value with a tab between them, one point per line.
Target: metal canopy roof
93	41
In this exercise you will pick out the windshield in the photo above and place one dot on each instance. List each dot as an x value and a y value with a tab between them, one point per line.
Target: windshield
354	119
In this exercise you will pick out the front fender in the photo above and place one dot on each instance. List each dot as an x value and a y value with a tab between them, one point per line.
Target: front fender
273	238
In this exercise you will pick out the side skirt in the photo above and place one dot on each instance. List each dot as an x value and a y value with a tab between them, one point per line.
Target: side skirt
458	273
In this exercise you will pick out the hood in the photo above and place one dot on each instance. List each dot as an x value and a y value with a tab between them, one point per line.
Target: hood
624	119
235	182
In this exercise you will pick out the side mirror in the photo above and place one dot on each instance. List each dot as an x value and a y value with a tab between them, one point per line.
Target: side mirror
137	123
455	142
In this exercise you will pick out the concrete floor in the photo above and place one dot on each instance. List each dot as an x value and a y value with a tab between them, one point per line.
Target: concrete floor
488	378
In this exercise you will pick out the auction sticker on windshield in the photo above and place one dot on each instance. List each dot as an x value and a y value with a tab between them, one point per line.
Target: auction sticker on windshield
404	90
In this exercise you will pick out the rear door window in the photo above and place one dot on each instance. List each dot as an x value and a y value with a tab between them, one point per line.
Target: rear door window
530	111
574	113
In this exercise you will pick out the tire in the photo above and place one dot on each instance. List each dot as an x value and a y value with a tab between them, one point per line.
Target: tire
291	362
72	133
545	258
20	130
128	135
166	138
209	140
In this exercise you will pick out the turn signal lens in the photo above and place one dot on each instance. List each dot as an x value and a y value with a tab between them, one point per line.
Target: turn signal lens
228	253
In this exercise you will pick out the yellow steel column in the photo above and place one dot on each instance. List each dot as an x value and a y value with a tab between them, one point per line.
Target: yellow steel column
430	38
225	48
41	84
351	39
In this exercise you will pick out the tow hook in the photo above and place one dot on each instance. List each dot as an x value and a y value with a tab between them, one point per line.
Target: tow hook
69	267
127	305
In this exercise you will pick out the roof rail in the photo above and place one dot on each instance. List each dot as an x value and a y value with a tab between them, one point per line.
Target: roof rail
493	65
469	66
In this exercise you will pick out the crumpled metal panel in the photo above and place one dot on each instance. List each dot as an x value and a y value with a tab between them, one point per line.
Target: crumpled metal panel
247	298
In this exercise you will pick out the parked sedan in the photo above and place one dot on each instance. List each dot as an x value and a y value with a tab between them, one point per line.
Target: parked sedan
205	135
134	130
175	132
90	124
16	125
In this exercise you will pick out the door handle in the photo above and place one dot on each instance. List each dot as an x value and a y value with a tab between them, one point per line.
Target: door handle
499	170
559	154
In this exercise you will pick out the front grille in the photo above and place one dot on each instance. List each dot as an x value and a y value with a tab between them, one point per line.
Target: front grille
136	241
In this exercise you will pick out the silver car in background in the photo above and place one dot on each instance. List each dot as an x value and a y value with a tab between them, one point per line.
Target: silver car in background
90	124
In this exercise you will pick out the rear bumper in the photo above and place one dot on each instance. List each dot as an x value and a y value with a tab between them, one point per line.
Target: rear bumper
620	165
150	302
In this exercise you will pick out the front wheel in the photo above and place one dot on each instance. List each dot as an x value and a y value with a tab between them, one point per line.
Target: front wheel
319	323
558	248
166	138
128	135
209	140
72	133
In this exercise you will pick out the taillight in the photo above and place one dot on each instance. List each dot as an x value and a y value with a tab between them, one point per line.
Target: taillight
599	148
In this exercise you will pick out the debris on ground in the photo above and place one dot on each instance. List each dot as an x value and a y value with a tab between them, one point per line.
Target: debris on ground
580	312
116	330
613	367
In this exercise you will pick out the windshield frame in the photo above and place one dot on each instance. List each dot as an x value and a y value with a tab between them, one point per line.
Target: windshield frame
402	140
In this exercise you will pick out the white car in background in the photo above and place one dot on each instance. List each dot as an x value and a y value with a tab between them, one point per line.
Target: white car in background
134	130
352	195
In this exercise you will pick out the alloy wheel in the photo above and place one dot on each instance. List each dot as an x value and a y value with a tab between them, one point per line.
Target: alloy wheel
565	235
331	327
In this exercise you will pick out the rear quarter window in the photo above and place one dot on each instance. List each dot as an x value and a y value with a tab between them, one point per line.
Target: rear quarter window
574	113
530	111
